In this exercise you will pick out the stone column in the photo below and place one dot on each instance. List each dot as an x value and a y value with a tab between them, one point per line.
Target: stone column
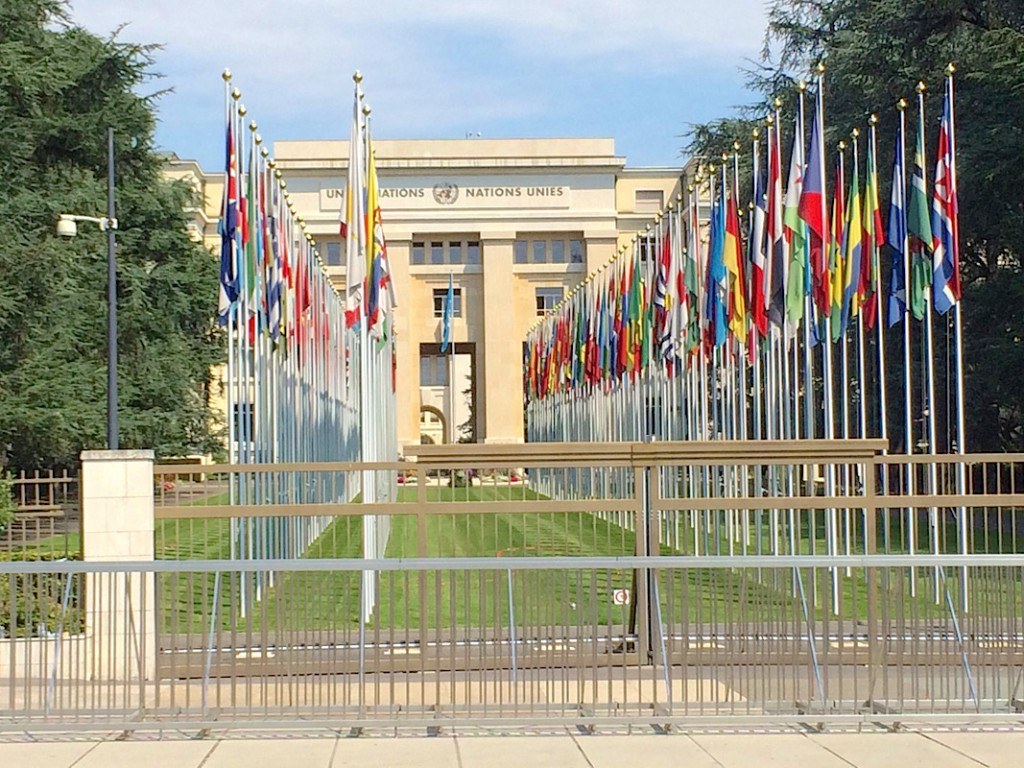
502	412
118	527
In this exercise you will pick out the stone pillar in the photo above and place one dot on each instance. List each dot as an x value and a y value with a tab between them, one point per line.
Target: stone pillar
118	527
502	412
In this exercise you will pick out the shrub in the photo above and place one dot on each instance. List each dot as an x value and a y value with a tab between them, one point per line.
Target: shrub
6	500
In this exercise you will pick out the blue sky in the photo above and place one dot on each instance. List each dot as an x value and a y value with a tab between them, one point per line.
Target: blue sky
635	70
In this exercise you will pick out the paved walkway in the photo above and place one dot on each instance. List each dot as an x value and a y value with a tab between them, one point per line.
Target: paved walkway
566	749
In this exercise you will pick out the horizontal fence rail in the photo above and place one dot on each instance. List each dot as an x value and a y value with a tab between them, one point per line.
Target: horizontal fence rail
510	640
47	517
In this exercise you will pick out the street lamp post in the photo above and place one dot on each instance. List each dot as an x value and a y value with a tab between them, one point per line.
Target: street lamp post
67	227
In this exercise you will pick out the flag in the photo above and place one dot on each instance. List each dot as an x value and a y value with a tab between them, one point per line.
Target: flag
718	276
381	289
353	224
836	251
812	211
228	225
874	239
852	252
795	226
732	258
920	231
777	265
896	237
945	219
758	263
446	315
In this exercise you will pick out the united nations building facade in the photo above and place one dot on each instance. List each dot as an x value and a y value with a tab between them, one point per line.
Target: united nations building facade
515	223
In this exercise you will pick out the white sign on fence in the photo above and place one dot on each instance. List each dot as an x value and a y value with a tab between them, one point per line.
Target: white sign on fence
620	597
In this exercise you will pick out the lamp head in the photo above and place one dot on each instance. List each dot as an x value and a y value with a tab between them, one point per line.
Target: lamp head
66	226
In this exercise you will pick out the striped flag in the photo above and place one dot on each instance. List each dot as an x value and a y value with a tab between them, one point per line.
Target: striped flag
777	265
812	211
795	236
228	225
353	224
920	230
896	237
945	225
758	262
874	239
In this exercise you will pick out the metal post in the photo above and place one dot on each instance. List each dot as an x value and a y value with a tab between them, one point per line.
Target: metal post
111	302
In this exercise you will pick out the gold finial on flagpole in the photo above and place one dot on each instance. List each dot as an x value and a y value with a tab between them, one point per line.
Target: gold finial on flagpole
271	163
801	86
901	104
770	120
735	146
253	127
670	206
777	103
842	145
357	76
366	110
855	133
950	69
226	74
819	68
921	87
236	94
872	119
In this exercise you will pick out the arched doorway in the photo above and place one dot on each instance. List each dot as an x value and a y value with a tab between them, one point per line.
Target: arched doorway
433	425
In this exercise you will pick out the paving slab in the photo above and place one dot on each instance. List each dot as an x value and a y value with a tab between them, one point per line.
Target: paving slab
892	750
996	749
271	753
669	751
411	751
171	753
784	750
528	751
44	754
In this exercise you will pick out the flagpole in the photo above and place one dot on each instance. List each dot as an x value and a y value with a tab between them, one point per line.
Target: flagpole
929	367
961	435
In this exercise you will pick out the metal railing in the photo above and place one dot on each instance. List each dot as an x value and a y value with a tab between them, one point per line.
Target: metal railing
514	640
47	517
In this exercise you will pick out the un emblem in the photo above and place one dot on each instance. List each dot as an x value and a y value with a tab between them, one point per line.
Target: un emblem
446	193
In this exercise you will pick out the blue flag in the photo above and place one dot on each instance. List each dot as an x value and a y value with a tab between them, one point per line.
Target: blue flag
896	237
446	316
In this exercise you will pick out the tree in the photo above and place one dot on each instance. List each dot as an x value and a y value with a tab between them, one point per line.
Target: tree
875	52
60	87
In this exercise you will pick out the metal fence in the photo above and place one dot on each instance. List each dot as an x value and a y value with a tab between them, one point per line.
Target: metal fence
515	640
47	517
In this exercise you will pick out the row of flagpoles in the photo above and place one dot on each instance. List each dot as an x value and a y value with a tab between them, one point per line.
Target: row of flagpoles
309	370
693	334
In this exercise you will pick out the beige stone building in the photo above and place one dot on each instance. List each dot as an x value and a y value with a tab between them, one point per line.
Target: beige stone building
517	223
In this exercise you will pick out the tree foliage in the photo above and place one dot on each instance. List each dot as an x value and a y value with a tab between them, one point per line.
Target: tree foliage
60	87
875	52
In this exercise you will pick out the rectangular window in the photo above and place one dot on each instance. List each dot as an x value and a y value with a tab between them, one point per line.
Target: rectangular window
649	200
437	253
439	296
558	251
419	255
455	252
548	298
334	254
473	252
540	251
576	251
433	370
521	247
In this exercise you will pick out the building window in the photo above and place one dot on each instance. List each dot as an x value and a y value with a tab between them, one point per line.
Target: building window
433	370
444	252
551	250
576	251
419	255
520	251
439	296
645	246
548	298
649	200
333	254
